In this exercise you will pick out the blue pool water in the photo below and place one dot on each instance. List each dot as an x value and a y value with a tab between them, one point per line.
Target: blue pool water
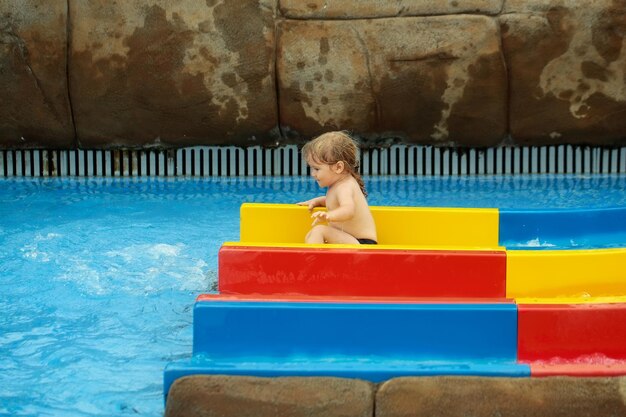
98	276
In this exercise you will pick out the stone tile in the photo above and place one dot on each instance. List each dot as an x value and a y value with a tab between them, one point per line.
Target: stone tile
491	397
34	105
351	9
179	72
567	71
241	396
422	79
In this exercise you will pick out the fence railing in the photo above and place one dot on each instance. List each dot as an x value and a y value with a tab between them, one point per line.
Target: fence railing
208	161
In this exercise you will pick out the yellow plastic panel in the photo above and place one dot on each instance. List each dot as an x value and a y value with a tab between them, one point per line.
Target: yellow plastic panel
469	227
286	223
573	300
413	226
573	274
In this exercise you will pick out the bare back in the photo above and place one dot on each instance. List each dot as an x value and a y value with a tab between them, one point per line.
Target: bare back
348	192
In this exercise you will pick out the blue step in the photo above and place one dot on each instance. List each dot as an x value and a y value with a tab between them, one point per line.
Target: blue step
563	228
368	340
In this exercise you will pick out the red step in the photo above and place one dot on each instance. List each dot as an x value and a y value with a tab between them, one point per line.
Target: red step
573	339
361	272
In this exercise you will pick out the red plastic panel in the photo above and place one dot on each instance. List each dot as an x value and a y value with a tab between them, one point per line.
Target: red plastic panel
296	298
366	272
576	369
586	334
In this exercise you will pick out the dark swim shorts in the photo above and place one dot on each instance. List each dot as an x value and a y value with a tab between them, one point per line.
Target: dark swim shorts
367	241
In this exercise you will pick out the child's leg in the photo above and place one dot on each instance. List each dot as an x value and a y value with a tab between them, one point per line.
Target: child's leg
327	234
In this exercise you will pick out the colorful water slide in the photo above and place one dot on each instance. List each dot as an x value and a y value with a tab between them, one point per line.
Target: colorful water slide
447	292
571	300
366	338
423	252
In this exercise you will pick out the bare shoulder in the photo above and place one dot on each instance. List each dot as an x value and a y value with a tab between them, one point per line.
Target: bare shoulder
348	187
350	184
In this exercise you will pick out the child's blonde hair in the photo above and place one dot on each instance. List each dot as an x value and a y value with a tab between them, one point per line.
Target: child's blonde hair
332	147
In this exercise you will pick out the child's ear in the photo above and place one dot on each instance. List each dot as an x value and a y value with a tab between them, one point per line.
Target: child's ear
339	167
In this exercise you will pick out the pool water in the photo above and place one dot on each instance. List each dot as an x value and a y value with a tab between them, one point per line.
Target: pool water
98	276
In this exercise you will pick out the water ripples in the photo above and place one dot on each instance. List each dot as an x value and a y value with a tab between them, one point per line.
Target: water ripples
98	276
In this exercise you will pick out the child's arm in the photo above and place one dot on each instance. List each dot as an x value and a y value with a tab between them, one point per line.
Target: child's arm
314	202
345	210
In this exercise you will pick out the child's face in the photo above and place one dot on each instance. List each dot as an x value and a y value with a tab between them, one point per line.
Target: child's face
325	175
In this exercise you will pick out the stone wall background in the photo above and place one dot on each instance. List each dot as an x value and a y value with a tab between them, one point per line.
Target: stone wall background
171	73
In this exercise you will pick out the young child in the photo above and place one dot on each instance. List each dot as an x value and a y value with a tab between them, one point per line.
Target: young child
333	159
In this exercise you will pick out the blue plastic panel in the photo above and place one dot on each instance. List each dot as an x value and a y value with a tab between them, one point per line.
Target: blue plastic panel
562	229
259	331
371	341
368	368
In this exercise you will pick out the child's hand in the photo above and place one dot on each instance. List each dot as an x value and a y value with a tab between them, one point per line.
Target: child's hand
309	203
312	203
320	216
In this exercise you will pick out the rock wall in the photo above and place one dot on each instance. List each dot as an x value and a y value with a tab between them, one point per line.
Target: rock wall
230	396
171	73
